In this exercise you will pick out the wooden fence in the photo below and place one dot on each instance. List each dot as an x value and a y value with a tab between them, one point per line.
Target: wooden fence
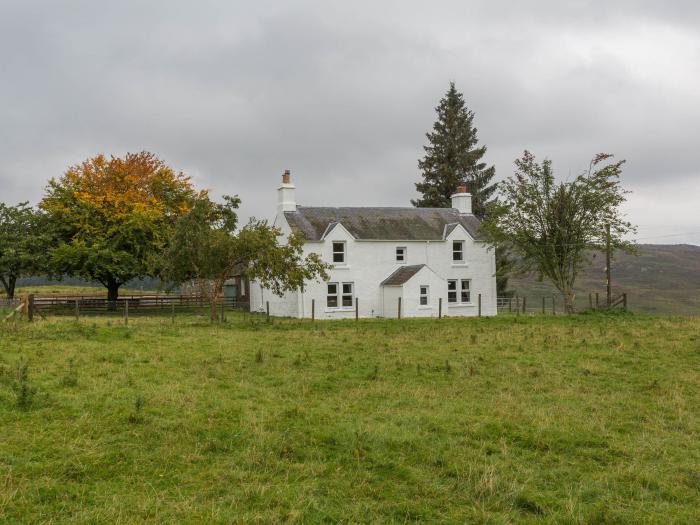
135	304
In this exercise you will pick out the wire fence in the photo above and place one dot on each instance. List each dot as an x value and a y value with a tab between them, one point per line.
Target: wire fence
555	304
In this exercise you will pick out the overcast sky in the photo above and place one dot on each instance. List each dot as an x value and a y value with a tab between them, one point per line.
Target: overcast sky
342	93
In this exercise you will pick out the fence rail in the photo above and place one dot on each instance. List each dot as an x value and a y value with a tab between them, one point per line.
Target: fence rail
78	305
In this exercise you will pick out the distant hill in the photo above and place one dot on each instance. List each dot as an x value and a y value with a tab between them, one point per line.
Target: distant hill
663	279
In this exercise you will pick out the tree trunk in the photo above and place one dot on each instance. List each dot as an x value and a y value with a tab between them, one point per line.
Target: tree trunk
112	294
217	287
8	283
569	297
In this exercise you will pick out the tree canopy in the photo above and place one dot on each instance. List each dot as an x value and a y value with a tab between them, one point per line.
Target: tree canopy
206	246
453	158
23	243
113	216
551	227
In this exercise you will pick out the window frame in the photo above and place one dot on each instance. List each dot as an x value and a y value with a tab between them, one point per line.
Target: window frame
344	295
453	291
330	295
404	253
468	291
424	296
343	253
343	300
459	251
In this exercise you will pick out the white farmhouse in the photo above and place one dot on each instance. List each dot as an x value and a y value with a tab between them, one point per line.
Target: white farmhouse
419	260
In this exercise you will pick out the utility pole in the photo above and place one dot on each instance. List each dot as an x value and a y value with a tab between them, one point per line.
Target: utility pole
608	256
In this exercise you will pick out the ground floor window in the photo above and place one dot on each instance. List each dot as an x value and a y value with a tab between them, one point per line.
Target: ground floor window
464	286
340	294
452	291
347	295
424	290
466	291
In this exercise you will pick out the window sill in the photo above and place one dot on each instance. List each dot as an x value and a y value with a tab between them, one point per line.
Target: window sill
459	305
425	307
341	266
343	309
460	264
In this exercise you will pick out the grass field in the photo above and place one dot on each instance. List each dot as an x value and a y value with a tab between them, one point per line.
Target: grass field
581	419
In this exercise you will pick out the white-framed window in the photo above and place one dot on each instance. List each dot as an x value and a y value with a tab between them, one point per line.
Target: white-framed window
332	295
452	290
424	295
340	295
339	252
463	286
458	251
466	296
348	295
401	254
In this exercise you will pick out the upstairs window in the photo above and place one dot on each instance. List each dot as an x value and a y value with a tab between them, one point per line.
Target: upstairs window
424	290
458	251
339	252
400	254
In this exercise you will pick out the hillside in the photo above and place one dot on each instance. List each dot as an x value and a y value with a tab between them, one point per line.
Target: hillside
662	279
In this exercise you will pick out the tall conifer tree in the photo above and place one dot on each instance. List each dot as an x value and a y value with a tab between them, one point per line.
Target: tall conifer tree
452	158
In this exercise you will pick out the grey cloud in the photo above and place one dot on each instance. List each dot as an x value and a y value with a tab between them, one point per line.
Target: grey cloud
234	92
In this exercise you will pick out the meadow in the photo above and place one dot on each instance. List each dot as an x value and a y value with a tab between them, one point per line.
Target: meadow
569	419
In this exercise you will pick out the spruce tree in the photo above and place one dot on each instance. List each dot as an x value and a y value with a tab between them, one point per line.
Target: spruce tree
453	158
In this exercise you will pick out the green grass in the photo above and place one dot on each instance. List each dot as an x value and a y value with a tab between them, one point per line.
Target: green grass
582	419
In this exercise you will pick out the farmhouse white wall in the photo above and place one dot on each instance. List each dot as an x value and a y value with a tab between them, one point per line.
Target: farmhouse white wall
369	262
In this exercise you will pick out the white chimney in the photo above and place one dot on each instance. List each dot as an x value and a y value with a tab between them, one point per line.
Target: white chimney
462	200
285	194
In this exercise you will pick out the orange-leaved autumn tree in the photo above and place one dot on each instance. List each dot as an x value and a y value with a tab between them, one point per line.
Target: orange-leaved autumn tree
112	217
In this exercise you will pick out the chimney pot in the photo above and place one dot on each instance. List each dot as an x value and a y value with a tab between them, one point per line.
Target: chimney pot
461	189
286	177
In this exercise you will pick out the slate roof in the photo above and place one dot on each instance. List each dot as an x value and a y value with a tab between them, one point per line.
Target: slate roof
402	275
390	224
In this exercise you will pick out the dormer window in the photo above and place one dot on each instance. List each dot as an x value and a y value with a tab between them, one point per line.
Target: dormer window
339	252
457	251
400	254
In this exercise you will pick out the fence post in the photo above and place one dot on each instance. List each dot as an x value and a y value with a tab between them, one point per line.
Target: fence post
30	307
223	313
399	307
524	305
126	312
590	300
77	310
510	305
357	309
267	308
517	305
479	305
543	306
596	301
172	312
440	308
554	308
313	309
624	302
